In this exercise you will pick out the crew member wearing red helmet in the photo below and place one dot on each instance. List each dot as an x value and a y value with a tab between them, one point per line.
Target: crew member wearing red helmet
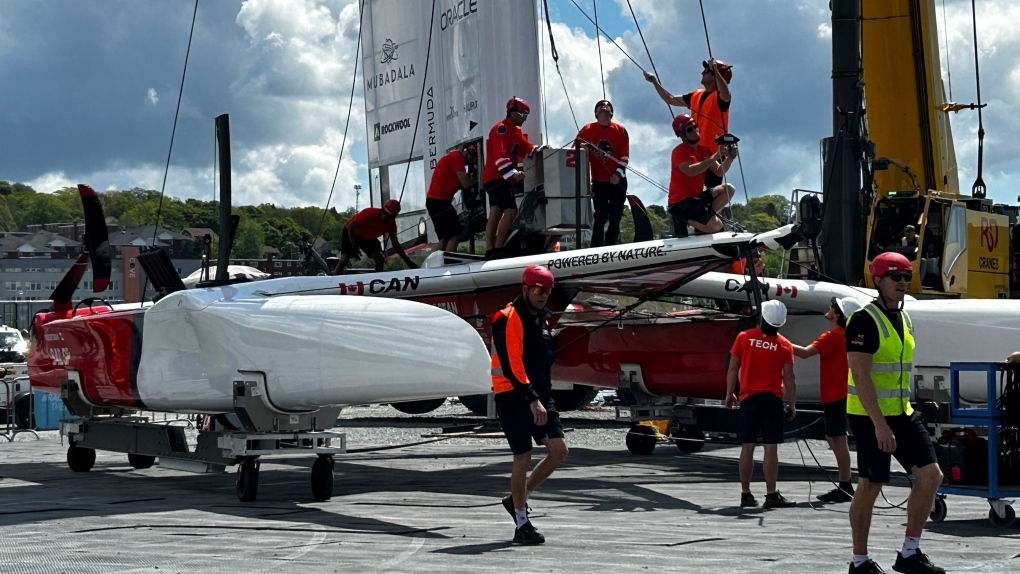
522	381
690	202
505	148
709	105
609	146
880	350
362	233
450	176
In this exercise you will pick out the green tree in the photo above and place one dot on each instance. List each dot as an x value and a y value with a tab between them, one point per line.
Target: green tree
249	241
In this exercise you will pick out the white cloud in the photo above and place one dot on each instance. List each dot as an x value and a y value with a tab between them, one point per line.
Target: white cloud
49	182
152	97
825	30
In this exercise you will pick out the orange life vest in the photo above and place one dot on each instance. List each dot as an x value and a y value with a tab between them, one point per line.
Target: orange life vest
712	122
509	322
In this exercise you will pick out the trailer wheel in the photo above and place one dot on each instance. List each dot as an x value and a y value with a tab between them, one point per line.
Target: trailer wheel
24	411
141	461
641	439
477	404
322	478
1002	521
418	407
575	398
80	459
248	479
689	440
939	510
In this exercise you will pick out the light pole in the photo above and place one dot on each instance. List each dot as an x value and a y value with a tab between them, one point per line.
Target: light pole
357	194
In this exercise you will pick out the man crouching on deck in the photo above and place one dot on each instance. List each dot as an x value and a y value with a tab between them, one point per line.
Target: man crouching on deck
522	381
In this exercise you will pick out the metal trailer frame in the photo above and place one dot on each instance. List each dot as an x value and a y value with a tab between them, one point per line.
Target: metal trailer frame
1001	513
264	430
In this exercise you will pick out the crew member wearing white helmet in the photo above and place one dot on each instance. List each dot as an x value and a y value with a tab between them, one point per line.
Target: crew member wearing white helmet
764	360
831	346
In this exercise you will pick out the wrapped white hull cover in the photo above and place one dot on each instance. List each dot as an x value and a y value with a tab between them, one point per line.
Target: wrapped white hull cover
315	351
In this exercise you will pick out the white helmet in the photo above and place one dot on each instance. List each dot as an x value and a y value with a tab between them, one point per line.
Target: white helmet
848	305
774	313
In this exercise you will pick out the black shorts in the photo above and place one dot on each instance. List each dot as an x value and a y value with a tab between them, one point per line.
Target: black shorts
352	244
501	194
914	447
761	412
834	418
712	180
444	217
519	424
690	209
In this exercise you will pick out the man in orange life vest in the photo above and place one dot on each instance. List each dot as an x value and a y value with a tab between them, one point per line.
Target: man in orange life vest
710	106
449	176
764	360
505	147
521	379
362	232
610	147
689	200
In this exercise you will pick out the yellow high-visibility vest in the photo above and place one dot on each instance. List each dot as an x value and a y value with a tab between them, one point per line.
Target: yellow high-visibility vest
891	367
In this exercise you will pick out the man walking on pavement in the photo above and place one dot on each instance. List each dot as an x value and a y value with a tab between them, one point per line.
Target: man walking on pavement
521	379
880	348
764	360
831	345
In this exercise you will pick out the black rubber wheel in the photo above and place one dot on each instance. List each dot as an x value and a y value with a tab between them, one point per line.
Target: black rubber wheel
641	439
418	407
248	480
141	461
938	510
322	478
24	413
80	459
572	399
1002	521
690	440
475	403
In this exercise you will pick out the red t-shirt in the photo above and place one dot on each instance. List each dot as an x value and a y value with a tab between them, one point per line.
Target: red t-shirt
831	347
613	140
682	186
762	360
368	224
504	148
445	182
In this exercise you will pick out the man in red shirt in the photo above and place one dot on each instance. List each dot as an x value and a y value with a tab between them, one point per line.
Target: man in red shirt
689	200
764	360
362	232
710	106
450	175
610	148
831	345
505	148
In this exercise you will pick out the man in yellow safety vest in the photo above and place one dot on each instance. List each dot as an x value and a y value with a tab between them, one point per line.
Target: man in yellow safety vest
880	348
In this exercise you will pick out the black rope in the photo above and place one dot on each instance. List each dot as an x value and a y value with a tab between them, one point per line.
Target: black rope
556	60
350	105
704	23
949	72
173	131
421	99
647	51
606	34
598	43
978	189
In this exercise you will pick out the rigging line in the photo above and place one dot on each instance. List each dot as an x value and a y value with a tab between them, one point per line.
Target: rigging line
704	23
608	37
598	43
949	72
556	60
350	105
541	64
978	189
421	99
647	51
173	131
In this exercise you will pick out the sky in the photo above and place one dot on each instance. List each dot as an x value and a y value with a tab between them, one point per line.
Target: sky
89	91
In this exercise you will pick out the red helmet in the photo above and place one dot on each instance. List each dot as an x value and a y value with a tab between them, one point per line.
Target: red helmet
518	105
888	261
680	123
391	208
604	104
537	275
725	69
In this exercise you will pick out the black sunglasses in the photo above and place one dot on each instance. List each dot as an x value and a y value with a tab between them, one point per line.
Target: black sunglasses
897	276
691	129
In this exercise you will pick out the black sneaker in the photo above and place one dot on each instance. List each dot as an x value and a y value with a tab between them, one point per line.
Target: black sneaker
747	500
776	500
836	495
508	504
918	563
869	567
527	535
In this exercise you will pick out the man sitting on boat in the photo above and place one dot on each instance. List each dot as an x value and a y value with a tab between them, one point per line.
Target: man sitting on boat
448	178
690	202
362	233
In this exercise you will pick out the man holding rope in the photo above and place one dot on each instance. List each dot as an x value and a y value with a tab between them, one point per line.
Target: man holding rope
609	143
449	177
690	201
